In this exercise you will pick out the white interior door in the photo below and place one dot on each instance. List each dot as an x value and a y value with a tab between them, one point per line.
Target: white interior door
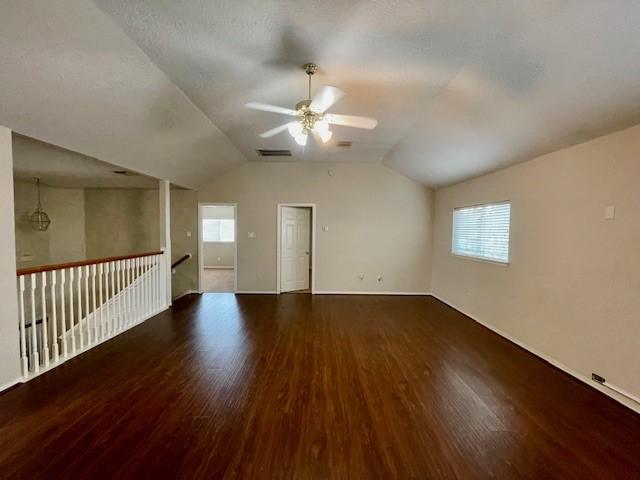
295	248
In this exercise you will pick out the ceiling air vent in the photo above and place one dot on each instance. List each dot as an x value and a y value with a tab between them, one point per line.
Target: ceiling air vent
344	143
126	173
274	153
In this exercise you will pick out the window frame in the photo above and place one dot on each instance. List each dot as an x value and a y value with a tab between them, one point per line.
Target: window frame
218	220
492	261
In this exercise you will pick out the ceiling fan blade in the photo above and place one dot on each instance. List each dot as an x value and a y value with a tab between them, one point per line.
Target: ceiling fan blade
325	97
265	107
275	131
351	121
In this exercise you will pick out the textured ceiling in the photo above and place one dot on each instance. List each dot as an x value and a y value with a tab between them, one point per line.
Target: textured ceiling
58	167
69	76
459	88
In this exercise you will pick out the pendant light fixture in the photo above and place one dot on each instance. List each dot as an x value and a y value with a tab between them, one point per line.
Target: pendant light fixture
39	219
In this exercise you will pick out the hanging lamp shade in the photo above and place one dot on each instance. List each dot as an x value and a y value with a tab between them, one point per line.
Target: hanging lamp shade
39	219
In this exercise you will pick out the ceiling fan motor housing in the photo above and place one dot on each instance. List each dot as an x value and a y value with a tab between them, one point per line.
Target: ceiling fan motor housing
310	68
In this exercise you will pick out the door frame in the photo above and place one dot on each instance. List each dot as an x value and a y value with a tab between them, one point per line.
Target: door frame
200	242
312	206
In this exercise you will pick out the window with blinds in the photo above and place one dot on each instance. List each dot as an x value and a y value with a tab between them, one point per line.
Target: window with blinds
218	230
482	231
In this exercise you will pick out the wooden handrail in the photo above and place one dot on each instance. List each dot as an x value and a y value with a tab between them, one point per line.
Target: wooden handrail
82	263
184	258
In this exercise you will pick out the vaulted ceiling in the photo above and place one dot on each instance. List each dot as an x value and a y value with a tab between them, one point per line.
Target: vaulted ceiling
459	88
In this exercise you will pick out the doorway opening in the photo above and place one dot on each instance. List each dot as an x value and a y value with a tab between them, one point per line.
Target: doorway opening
217	247
296	248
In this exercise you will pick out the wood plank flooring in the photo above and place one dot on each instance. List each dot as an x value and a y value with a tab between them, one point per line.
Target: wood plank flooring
312	387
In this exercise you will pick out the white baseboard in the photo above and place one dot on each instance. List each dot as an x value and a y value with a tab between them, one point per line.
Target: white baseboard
354	292
256	292
603	388
10	384
188	292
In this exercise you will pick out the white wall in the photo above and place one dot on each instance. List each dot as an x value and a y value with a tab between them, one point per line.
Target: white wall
572	291
9	339
379	223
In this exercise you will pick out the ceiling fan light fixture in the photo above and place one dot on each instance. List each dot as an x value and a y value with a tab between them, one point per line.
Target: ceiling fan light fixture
301	138
39	220
295	129
325	136
321	127
311	114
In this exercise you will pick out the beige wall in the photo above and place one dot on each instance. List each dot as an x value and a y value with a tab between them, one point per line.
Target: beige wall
9	340
572	291
184	220
379	223
121	221
218	254
64	240
85	223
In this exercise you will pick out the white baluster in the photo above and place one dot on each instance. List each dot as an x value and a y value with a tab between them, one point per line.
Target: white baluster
155	283
138	291
119	288
72	320
107	302
114	317
143	285
35	356
159	280
94	315
147	287
79	292
100	270
23	333
63	323
87	272
54	318
44	334
129	294
125	293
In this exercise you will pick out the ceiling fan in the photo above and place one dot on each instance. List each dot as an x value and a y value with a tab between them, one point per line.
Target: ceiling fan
311	116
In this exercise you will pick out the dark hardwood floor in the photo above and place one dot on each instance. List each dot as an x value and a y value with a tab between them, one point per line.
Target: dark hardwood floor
302	387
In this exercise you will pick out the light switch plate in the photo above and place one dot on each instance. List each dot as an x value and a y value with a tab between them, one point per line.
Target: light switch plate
251	234
188	234
610	213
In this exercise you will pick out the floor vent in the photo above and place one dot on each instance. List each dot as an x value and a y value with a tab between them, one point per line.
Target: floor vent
274	153
344	143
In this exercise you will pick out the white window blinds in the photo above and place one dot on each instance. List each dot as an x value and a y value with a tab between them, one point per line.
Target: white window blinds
218	230
482	231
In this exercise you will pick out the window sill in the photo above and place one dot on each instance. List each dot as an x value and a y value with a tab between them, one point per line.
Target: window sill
481	260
